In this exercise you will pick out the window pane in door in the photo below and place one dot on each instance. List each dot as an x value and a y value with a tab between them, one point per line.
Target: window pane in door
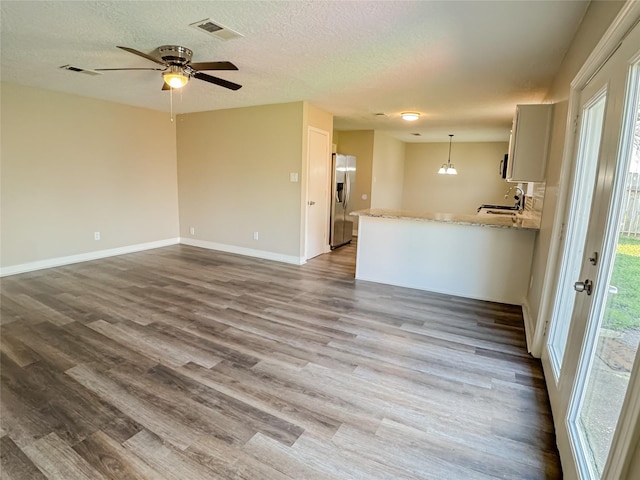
618	334
573	250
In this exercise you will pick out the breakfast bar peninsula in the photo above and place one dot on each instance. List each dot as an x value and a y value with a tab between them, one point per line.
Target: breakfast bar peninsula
486	257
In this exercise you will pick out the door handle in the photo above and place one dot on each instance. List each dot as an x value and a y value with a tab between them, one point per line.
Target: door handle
585	286
311	202
347	189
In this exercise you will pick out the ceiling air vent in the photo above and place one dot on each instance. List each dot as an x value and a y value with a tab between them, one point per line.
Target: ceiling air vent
86	71
217	30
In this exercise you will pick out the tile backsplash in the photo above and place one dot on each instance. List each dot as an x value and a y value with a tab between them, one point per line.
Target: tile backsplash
534	198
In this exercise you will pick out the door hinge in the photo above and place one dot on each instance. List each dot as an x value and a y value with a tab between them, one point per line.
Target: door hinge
575	123
546	326
561	235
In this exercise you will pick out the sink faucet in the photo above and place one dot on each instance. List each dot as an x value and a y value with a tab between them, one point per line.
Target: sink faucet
519	197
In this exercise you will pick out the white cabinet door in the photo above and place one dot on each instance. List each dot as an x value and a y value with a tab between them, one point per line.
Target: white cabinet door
529	143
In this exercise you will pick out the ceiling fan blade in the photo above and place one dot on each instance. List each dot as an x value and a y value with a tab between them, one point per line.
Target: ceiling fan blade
118	69
217	81
213	66
143	55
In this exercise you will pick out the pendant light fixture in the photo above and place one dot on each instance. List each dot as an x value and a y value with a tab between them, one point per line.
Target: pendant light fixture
448	168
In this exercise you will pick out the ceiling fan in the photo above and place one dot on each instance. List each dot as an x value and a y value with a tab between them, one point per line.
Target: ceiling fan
177	68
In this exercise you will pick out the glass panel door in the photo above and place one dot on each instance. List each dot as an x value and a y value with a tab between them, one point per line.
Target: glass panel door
614	325
580	211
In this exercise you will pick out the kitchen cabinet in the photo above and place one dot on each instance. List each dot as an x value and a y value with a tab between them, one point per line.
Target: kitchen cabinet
529	143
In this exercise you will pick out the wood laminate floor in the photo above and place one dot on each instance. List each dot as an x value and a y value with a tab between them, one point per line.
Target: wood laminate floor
187	364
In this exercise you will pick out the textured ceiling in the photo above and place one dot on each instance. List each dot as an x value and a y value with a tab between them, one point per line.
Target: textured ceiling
463	65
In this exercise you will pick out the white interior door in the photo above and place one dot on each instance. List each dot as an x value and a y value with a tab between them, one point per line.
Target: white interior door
317	218
593	341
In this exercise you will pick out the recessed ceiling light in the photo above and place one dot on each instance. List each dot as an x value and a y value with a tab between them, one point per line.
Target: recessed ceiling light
410	116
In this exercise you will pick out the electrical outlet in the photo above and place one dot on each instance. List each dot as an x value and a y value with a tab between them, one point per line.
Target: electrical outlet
256	235
192	230
96	235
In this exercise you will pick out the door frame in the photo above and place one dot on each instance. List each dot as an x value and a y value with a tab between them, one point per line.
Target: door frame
325	203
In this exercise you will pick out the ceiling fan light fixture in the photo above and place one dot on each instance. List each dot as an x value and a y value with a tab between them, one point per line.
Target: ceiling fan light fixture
175	77
410	116
177	68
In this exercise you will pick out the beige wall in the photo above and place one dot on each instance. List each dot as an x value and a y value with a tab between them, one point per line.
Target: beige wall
387	172
478	180
233	176
597	19
318	118
72	166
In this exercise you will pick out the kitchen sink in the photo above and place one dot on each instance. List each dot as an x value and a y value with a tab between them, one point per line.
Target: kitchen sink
501	212
512	208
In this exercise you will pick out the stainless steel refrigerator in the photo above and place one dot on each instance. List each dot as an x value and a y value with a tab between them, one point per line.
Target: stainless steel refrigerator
344	176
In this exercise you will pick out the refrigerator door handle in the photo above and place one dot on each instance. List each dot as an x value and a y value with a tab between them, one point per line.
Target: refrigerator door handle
347	189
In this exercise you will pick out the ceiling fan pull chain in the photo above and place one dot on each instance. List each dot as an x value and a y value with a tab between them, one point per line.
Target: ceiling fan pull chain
171	102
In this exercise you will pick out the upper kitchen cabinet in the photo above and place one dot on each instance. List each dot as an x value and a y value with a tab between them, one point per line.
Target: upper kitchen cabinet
529	143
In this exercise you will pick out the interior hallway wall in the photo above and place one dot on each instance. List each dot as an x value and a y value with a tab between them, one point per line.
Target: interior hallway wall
387	172
233	179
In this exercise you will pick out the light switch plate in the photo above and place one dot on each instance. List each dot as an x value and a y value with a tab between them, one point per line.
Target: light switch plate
293	177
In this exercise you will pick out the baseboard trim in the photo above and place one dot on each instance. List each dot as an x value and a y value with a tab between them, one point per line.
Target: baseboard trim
505	301
248	252
528	326
84	257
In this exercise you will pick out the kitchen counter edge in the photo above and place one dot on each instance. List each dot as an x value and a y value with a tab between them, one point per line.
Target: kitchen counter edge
520	221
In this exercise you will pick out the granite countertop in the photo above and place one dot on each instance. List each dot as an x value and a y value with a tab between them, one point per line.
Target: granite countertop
523	221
